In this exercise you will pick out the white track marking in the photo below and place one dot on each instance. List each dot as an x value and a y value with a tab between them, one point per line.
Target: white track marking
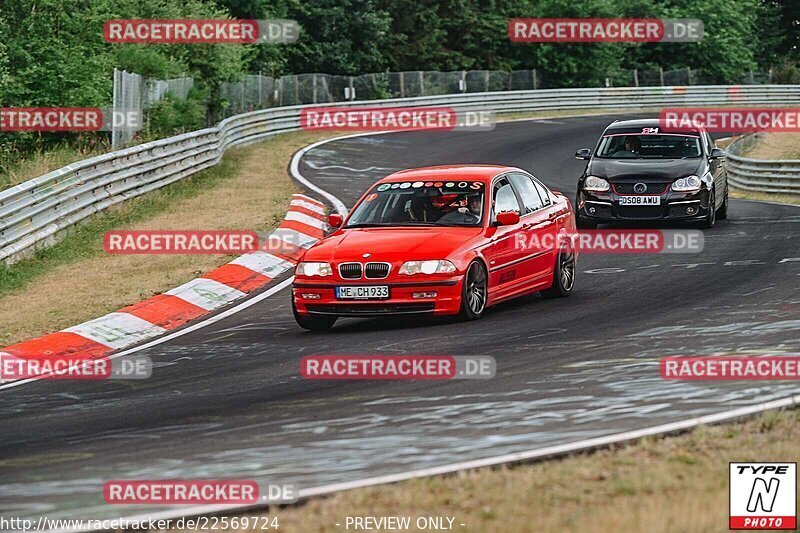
117	330
307	220
206	293
181	332
264	263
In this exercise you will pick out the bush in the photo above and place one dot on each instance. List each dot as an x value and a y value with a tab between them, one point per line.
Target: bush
786	72
173	115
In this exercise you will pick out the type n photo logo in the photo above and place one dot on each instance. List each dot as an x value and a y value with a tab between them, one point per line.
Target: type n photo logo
763	496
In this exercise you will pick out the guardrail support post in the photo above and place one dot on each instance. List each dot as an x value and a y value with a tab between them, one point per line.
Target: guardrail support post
636	77
314	86
260	89
114	99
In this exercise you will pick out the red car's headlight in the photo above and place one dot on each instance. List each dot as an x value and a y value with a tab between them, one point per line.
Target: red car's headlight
308	268
435	266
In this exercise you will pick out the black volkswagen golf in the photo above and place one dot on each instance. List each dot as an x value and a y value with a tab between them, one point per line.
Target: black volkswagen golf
639	171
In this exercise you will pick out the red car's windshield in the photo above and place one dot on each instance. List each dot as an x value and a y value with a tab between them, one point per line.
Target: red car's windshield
452	203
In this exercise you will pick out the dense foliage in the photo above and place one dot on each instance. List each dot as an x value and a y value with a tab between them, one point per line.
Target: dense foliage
52	52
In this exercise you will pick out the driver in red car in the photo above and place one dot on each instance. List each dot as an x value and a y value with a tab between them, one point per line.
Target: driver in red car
471	214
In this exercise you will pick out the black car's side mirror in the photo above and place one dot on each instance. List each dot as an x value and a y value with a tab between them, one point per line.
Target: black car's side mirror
583	153
717	153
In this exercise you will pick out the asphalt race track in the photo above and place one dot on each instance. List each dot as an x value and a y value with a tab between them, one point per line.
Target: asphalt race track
227	401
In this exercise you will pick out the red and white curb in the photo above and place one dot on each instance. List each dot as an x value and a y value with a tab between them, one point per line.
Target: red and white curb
303	225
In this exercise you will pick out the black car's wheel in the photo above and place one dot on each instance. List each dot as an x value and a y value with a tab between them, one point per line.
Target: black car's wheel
563	274
711	218
584	223
474	292
722	213
313	323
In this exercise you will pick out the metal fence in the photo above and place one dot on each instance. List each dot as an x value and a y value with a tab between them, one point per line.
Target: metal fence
133	92
260	92
763	175
256	91
33	213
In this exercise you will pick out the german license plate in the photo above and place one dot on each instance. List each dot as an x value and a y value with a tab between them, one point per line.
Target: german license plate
639	200
365	292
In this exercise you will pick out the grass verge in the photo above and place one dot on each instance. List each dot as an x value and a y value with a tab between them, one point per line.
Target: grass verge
41	162
673	484
75	280
773	146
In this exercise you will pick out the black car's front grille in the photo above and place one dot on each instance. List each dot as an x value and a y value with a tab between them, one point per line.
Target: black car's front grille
645	211
371	309
653	189
350	270
376	270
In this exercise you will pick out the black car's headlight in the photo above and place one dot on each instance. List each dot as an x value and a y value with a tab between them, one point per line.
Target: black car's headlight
687	184
593	183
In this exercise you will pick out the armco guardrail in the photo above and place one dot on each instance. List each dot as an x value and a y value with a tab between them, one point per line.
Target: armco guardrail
32	213
765	175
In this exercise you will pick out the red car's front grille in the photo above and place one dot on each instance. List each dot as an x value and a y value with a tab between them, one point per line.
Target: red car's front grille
376	270
350	270
369	270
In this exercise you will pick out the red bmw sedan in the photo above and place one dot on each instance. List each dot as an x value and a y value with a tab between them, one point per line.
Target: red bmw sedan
447	240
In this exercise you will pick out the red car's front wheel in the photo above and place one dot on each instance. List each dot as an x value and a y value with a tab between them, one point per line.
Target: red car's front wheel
313	323
563	274
473	292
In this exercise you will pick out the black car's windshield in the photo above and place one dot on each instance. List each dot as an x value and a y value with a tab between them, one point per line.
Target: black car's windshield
633	146
421	203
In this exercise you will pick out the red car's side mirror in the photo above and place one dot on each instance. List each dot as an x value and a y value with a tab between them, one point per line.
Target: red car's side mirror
508	218
335	220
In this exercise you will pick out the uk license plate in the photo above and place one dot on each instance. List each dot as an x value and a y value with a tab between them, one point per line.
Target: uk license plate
639	200
364	292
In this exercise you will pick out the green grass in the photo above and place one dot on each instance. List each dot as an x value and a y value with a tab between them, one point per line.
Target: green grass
16	168
85	239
